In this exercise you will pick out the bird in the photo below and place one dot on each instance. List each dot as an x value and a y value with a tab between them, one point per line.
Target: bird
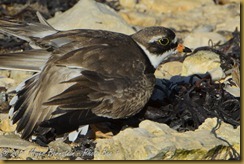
84	76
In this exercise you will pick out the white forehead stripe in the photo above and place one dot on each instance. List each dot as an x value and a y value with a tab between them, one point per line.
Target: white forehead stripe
157	59
153	39
174	40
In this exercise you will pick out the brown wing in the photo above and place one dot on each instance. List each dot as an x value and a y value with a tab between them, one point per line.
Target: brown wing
112	83
109	79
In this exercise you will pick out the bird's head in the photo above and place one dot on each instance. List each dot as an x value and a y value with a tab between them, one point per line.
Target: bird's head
158	43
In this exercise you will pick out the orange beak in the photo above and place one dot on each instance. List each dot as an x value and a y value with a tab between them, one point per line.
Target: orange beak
181	48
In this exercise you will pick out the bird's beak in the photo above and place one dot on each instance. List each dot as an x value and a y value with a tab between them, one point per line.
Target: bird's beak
181	48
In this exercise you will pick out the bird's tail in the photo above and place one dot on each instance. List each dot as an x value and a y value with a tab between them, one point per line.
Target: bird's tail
32	60
27	31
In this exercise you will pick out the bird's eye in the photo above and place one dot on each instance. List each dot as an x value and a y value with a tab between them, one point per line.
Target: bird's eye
163	41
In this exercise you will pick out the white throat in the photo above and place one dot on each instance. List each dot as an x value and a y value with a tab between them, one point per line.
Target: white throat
154	58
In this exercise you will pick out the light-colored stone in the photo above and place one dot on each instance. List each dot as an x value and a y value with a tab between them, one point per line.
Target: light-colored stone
10	79
128	3
4	73
236	75
19	76
233	90
15	142
6	126
138	19
202	62
184	15
7	82
157	141
34	152
230	24
229	87
204	28
172	6
224	131
59	146
200	39
169	69
87	14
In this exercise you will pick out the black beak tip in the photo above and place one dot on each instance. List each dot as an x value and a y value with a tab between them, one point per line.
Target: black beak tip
187	50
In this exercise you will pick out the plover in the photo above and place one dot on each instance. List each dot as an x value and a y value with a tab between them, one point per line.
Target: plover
84	76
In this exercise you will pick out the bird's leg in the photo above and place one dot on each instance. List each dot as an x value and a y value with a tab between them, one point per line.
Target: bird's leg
101	131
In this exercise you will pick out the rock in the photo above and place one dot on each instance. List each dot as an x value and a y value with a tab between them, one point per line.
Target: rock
233	90
169	69
230	24
56	150
6	126
171	6
3	100
157	141
14	142
4	73
33	152
7	82
236	75
128	3
183	15
10	79
214	15
137	18
232	83
60	147
202	62
87	14
199	39
224	131
19	76
204	28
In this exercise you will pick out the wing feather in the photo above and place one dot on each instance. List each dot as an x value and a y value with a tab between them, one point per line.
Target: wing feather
105	78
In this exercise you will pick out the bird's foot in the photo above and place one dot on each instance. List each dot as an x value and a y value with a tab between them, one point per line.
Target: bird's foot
100	134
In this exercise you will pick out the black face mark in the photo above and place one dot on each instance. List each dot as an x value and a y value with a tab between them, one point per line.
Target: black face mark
163	41
163	44
160	46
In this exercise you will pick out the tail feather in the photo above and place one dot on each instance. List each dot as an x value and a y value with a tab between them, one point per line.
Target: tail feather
27	31
43	21
32	60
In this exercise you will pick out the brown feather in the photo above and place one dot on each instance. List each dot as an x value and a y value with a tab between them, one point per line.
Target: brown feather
90	75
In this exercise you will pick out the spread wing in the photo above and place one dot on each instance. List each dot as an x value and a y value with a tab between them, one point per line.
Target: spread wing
109	80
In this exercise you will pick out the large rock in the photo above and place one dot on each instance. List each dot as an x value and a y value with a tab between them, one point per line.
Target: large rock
202	62
155	141
137	18
14	142
199	39
5	125
230	24
169	69
172	6
87	14
182	15
10	79
7	82
128	3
